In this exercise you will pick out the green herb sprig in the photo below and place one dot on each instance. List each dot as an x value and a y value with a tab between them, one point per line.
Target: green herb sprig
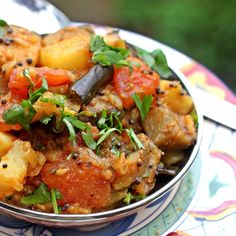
143	105
107	55
130	197
42	195
24	112
156	60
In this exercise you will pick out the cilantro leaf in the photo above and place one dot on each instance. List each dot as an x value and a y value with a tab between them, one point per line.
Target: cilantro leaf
76	123
145	56
58	100
70	128
161	65
88	139
156	60
38	196
20	114
96	42
71	122
129	197
45	120
34	96
134	139
54	196
26	73
143	105
106	135
102	121
24	112
194	117
107	55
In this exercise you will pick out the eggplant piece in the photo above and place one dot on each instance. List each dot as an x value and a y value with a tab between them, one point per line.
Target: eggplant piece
87	87
167	170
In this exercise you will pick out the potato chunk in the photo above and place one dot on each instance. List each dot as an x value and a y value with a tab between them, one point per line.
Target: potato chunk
67	49
5	143
176	97
18	163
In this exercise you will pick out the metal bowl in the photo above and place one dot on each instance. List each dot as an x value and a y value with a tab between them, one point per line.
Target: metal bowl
69	220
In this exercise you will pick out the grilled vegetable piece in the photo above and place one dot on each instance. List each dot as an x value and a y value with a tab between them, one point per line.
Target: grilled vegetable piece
20	47
18	163
88	86
67	49
176	97
169	130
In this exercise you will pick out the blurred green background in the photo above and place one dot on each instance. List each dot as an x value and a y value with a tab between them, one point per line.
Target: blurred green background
204	30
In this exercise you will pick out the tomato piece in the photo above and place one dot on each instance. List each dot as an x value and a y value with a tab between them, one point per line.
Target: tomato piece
19	84
5	127
141	80
83	182
54	77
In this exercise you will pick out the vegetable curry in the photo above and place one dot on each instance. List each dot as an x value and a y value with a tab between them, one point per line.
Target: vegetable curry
87	122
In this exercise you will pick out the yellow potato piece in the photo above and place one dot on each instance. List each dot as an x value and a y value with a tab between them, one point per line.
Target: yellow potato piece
5	143
69	54
114	40
176	97
18	163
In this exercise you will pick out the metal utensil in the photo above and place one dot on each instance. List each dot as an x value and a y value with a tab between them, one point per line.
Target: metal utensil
216	109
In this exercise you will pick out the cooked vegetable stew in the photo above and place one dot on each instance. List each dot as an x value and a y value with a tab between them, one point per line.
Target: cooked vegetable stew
87	122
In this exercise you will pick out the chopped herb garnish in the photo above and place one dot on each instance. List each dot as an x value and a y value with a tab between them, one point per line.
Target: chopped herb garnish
129	197
106	135
26	73
134	139
16	115
195	117
102	121
38	196
71	122
76	123
54	196
43	195
88	139
45	120
58	100
70	128
24	112
34	96
143	105
156	60
107	55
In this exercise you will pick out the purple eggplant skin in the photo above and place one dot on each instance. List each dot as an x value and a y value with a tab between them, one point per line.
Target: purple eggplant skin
88	86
